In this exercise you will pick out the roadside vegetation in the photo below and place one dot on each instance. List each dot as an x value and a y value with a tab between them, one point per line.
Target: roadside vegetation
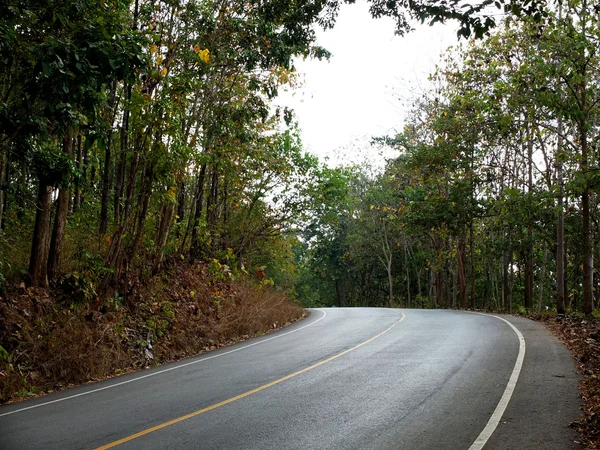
156	201
56	341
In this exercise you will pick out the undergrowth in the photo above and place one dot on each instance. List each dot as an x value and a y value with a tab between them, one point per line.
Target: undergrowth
50	339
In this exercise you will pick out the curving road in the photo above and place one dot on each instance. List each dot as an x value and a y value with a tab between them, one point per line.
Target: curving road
341	379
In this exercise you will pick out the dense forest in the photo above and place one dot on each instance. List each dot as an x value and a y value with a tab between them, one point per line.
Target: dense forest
492	200
133	136
149	182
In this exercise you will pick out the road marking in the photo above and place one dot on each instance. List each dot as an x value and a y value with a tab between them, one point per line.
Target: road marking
247	393
485	435
165	370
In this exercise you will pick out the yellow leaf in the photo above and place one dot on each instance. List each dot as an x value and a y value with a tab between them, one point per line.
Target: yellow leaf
171	192
153	49
159	60
204	55
163	72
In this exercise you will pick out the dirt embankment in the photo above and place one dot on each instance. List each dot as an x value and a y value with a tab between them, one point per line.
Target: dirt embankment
48	341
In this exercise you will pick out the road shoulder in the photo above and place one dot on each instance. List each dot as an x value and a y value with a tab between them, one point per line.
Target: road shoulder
546	397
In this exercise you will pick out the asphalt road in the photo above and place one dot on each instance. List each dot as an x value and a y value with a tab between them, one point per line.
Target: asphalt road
341	379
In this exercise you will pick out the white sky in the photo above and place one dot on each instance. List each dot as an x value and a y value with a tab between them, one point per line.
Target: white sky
357	94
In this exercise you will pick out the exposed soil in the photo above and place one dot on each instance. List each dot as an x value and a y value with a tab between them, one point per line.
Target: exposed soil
49	341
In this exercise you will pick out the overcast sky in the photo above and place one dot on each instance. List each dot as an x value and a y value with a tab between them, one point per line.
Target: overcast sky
354	96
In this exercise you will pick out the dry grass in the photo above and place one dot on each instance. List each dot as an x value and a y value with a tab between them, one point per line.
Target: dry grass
186	311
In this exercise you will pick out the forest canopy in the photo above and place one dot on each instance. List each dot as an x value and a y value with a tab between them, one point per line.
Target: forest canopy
137	134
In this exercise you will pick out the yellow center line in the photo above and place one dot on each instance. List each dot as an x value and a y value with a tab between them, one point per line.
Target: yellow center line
245	394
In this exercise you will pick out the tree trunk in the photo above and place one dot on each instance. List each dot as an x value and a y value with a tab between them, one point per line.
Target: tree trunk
106	174
338	295
560	228
390	282
529	281
566	281
21	189
588	293
180	202
505	289
163	234
460	271
143	211
106	185
60	219
79	160
407	269
439	288
120	183
542	279
195	223
212	209
38	262
472	245
3	193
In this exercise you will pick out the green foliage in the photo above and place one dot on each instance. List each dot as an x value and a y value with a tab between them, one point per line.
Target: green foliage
465	215
81	286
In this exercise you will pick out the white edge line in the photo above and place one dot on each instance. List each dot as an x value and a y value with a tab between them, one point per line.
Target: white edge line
166	370
489	429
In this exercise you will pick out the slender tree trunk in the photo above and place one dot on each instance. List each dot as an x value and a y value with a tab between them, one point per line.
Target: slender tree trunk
38	262
439	288
588	292
195	223
106	175
529	281
543	279
460	271
472	245
4	206
79	162
3	193
560	227
338	294
431	297
407	269
390	282
454	288
120	183
212	209
58	232
163	234
181	201
143	212
566	280
505	289
60	219
106	185
511	282
21	189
